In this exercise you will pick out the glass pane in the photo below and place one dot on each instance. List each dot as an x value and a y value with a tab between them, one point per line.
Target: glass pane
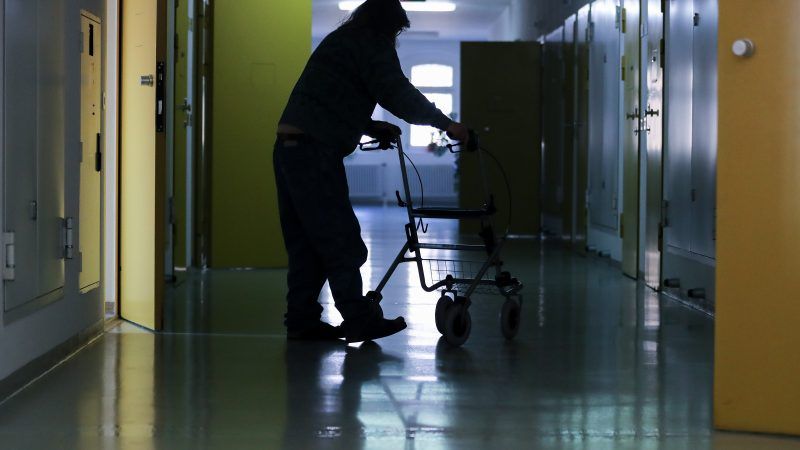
432	75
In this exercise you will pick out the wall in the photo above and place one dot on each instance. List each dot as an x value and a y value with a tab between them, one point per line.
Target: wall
260	48
57	325
757	336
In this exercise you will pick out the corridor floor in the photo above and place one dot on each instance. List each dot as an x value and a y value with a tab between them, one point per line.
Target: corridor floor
600	363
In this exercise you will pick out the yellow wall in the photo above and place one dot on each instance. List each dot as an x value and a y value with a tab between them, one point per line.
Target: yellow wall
260	48
757	379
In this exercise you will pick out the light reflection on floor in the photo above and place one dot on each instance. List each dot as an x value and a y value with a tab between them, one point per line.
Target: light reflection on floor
601	363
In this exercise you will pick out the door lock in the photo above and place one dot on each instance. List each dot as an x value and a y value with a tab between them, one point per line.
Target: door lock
633	116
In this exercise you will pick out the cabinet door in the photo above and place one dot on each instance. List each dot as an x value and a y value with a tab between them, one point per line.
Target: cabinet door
630	138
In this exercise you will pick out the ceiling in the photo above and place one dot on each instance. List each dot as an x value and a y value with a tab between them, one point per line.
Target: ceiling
472	20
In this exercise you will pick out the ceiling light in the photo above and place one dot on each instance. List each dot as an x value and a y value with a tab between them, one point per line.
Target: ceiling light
416	6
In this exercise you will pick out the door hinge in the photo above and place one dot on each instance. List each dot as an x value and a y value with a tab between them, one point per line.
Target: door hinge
622	226
590	33
696	19
665	213
618	18
624	20
663	6
11	256
69	238
622	67
663	52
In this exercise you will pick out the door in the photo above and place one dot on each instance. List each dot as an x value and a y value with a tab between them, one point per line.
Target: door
142	161
630	138
652	135
182	200
504	108
90	221
581	212
35	141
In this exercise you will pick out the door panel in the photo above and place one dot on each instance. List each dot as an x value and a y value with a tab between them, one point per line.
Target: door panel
90	221
653	113
630	139
553	134
141	165
504	107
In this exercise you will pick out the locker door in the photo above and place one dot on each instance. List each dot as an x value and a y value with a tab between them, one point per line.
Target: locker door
598	185
35	101
653	113
142	163
630	138
90	221
704	130
582	135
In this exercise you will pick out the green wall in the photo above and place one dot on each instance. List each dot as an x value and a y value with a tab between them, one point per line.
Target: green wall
260	48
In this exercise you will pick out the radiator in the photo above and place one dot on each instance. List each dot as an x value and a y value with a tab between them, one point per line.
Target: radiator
366	182
370	183
438	180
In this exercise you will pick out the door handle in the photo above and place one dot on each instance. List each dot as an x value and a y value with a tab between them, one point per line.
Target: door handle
147	80
633	116
652	112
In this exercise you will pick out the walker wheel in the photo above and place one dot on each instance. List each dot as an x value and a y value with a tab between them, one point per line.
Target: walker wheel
509	318
444	303
457	325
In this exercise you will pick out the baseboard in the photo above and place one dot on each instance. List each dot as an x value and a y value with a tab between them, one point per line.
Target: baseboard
39	366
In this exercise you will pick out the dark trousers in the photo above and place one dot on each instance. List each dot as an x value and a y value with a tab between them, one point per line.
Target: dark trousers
320	230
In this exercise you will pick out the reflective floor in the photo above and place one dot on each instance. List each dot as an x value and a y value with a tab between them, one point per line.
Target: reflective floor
601	363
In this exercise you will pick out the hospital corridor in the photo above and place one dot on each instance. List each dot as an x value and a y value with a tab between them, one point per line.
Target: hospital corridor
580	221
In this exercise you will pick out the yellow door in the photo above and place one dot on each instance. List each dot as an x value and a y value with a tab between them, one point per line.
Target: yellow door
504	107
91	157
630	139
757	368
141	165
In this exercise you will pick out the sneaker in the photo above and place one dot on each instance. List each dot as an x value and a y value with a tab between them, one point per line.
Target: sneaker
320	331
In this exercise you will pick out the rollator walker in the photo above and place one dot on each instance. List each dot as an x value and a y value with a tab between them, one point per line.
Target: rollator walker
457	278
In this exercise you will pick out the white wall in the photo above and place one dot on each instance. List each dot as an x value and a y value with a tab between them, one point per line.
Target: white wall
25	337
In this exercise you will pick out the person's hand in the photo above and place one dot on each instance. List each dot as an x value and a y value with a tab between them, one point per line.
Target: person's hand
377	129
458	132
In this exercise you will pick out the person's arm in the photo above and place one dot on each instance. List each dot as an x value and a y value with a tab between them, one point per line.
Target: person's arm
389	86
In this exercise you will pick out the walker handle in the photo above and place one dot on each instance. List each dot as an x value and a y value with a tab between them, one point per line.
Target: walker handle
472	145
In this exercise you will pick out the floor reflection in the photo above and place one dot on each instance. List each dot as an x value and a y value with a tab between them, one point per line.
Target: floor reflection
601	362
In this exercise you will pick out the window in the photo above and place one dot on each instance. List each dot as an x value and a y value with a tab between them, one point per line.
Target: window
436	82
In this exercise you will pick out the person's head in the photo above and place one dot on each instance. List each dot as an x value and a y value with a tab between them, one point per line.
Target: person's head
384	17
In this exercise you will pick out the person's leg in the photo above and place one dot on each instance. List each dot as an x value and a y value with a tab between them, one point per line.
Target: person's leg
317	184
306	276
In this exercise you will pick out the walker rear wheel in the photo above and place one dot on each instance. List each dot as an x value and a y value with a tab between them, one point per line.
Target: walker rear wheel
444	303
457	325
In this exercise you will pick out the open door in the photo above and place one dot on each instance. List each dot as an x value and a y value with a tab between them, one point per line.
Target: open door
630	138
653	137
142	161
